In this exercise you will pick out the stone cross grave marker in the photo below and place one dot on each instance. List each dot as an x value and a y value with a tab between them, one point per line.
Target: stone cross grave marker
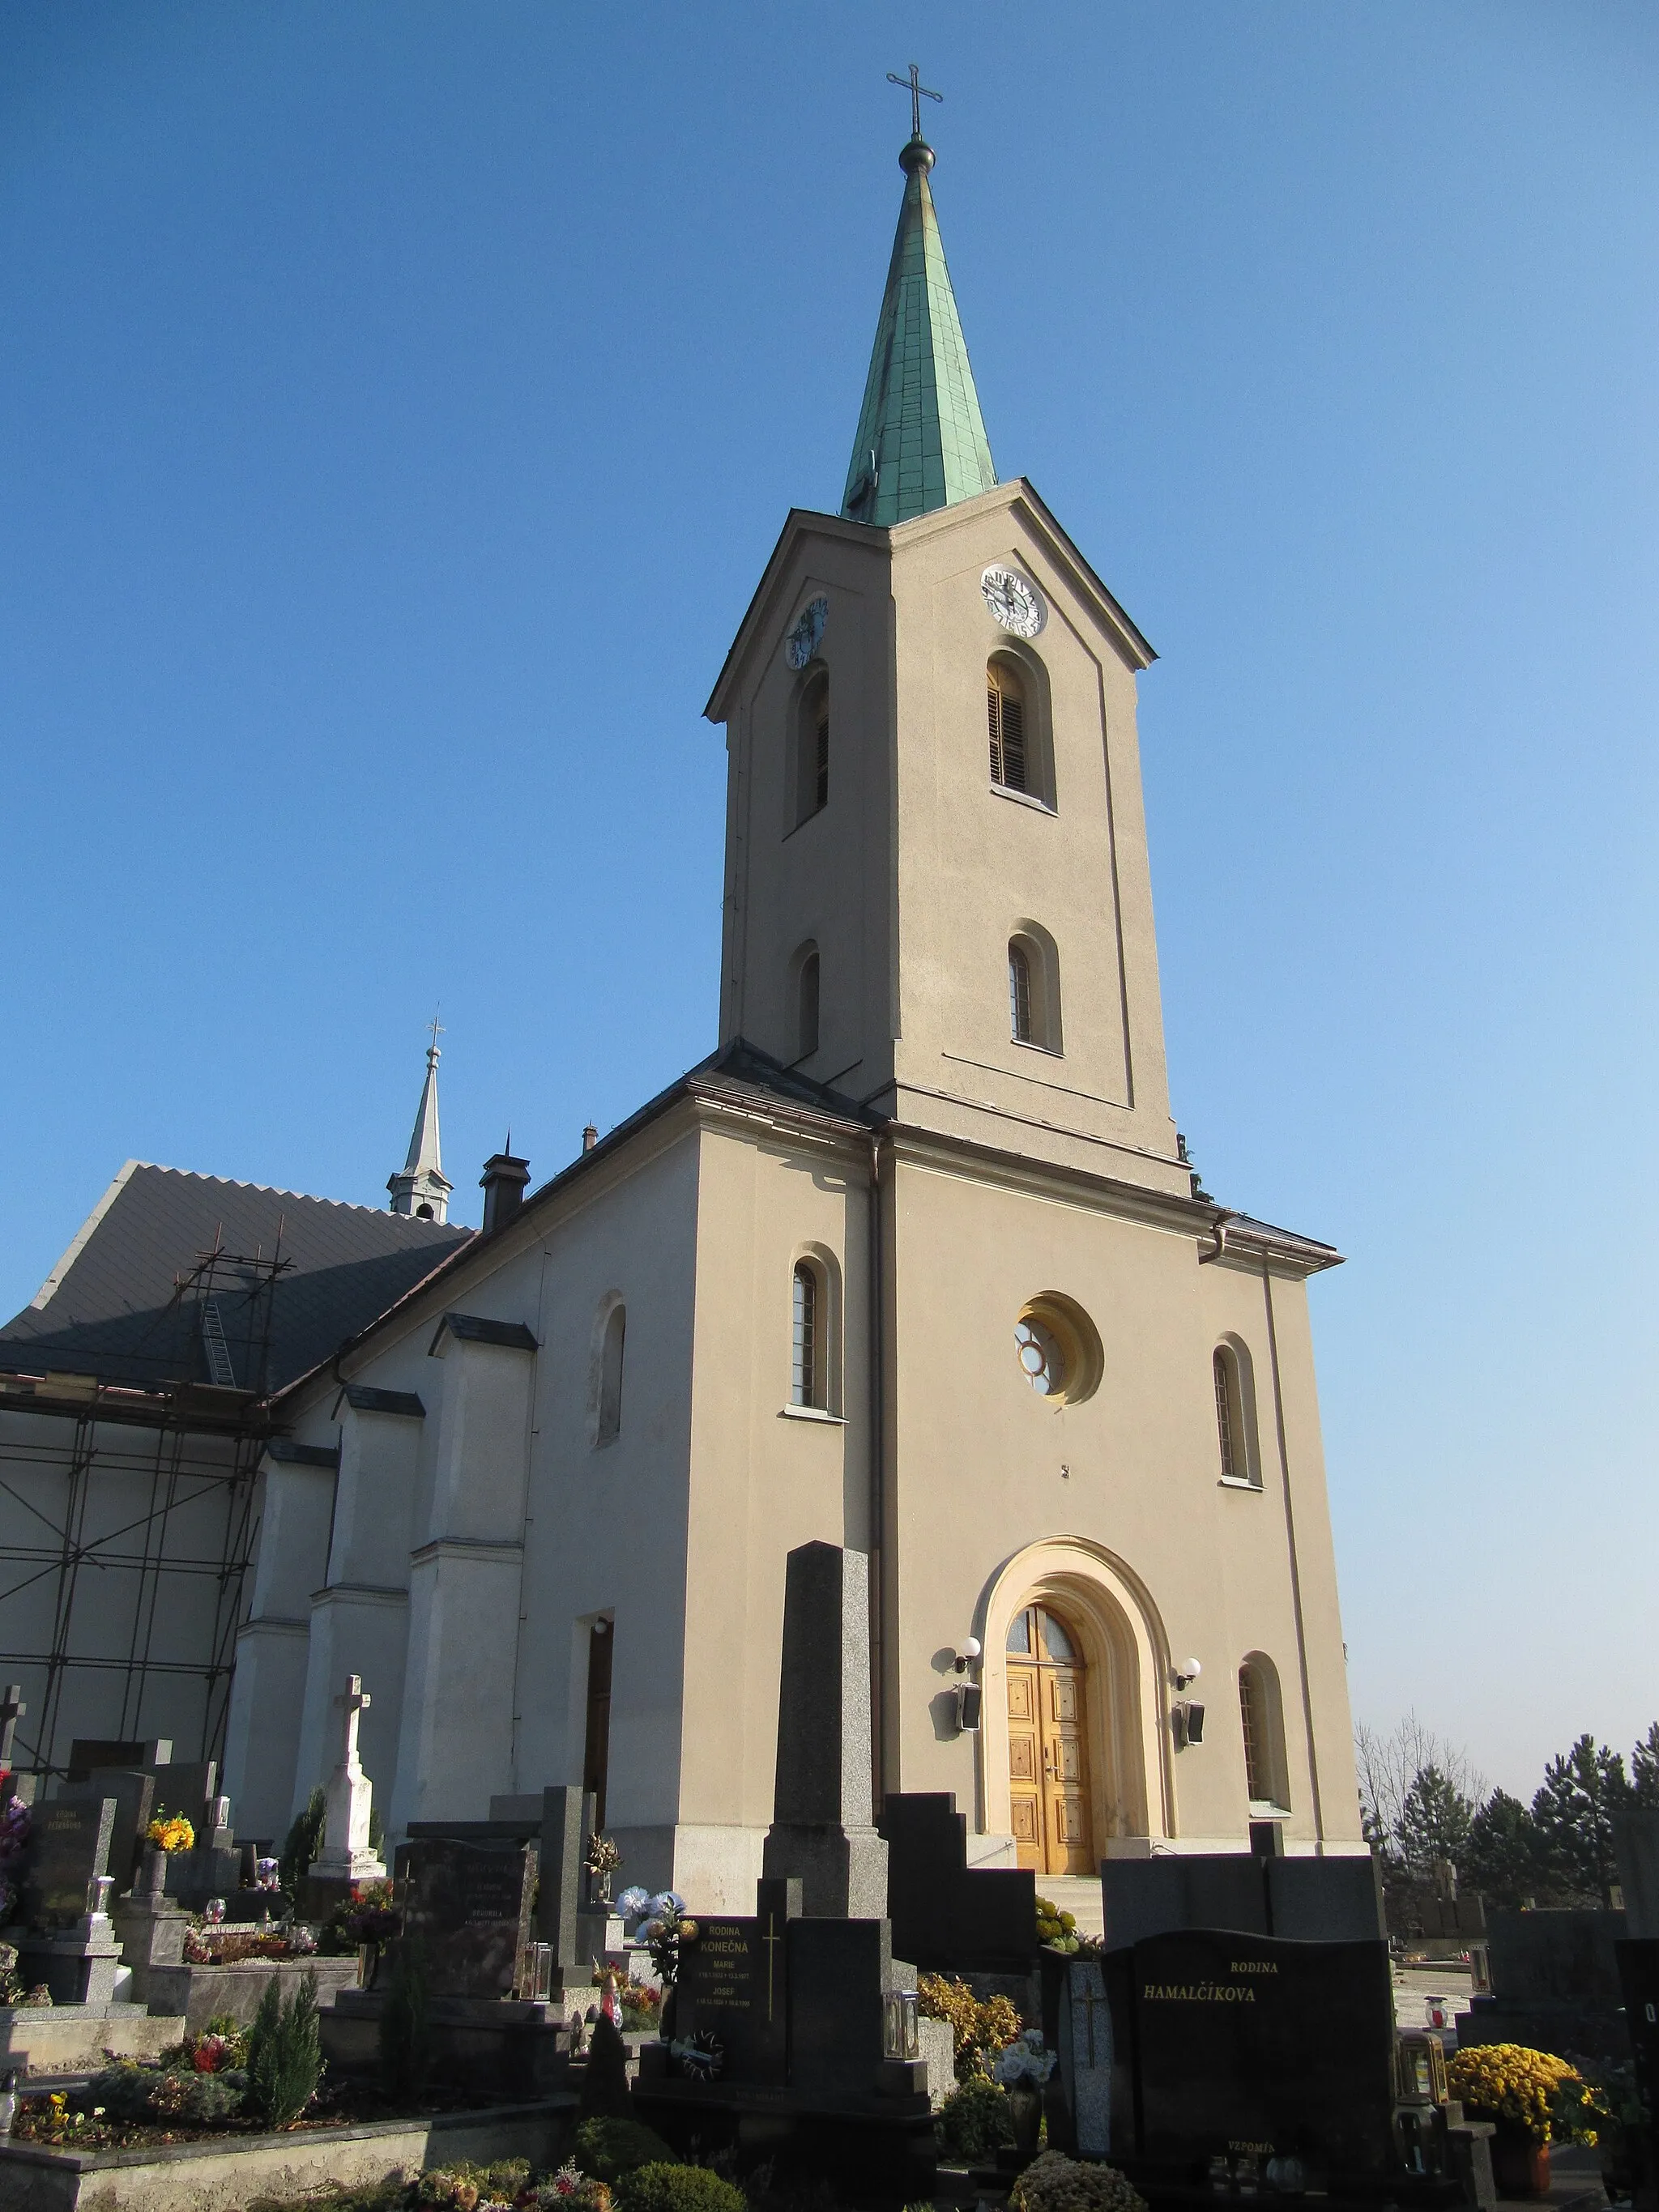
347	1854
470	1905
12	1709
134	1794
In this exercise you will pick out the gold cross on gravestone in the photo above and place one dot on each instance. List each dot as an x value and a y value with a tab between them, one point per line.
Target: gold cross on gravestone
1090	2001
918	91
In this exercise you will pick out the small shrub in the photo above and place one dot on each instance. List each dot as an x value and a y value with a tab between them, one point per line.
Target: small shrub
974	2120
608	2149
660	2188
124	2090
285	2053
978	2026
1054	2182
466	2186
304	1841
406	2032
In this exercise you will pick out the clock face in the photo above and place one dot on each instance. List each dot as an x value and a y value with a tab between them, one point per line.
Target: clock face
803	639
1015	602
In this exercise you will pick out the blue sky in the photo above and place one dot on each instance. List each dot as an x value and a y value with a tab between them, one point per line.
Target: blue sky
399	402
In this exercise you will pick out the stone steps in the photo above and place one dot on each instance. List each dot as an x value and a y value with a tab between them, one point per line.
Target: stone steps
1077	1894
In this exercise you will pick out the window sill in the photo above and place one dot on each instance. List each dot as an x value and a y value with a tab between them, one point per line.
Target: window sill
1237	1482
1025	799
1262	1809
1025	1044
810	1413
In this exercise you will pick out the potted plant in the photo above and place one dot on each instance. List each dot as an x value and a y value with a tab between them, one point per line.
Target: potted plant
1520	2091
1023	2069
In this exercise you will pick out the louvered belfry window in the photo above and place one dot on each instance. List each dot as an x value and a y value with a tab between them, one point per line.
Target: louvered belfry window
1004	707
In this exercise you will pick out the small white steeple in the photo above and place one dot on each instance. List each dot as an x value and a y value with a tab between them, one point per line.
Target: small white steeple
423	1188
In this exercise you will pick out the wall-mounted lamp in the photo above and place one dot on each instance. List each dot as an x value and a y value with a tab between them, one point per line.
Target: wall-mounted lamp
1186	1723
1185	1671
971	1647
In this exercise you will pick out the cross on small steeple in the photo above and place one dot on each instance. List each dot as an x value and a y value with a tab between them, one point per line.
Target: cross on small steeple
12	1709
918	91
437	1029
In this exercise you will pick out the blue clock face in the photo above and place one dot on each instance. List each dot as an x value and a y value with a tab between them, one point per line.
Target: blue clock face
803	639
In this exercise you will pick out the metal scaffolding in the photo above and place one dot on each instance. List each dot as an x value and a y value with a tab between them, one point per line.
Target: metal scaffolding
203	1452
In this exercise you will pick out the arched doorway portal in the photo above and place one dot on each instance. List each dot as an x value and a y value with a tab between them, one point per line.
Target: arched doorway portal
1049	1794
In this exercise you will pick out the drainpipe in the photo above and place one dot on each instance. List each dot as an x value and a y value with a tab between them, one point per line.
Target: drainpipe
876	1300
1296	1571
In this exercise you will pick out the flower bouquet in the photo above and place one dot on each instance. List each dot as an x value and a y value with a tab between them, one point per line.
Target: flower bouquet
1022	2068
171	1832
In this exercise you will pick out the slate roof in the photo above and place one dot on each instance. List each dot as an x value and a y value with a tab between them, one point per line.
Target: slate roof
112	1306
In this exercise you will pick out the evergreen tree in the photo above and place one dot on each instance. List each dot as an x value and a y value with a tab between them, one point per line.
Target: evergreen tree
1645	1772
1501	1857
304	1841
1573	1815
1434	1822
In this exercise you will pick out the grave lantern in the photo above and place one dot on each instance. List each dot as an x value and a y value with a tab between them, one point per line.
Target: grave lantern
900	2037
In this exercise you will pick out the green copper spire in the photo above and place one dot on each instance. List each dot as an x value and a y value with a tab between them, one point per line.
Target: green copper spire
922	440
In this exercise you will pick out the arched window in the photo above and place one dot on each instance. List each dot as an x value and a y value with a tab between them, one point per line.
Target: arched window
1235	1415
1261	1722
1034	988
1004	707
812	746
611	1374
806	1004
815	1333
1226	1417
806	1375
1019	993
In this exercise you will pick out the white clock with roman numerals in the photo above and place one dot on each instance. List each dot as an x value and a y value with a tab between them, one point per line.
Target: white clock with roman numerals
1014	600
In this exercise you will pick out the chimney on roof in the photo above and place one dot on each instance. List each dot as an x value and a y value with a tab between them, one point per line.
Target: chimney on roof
590	1138
502	1183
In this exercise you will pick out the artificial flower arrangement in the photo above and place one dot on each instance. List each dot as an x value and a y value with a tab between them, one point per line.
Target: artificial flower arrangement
1054	2182
1514	2086
662	1927
602	1858
171	1832
217	1946
1024	2060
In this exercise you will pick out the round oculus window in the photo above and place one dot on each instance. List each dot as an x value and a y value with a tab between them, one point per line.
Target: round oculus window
1057	1348
1042	1359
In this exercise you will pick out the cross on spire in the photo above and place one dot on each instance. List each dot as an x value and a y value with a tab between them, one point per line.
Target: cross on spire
918	91
438	1030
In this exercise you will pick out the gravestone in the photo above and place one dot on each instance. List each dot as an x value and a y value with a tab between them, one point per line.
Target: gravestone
1235	2045
947	1917
1636	1847
733	1984
68	1849
88	1752
187	1788
1076	2025
1638	1975
840	1971
821	1829
1326	1900
469	1906
1554	1983
133	1792
566	1822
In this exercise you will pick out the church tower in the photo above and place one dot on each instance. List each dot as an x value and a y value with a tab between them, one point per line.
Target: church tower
937	898
423	1188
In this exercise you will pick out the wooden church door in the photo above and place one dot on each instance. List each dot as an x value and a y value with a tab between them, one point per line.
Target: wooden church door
1047	1749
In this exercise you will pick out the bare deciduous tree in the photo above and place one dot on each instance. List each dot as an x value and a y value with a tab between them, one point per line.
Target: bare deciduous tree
1389	1765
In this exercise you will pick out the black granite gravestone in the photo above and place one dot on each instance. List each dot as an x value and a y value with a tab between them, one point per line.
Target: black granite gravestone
1554	1983
1326	1900
1638	1975
1239	2046
946	1918
88	1752
839	1973
733	1987
68	1849
469	1905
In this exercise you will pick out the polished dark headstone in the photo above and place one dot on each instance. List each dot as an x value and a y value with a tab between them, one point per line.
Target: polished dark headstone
68	1849
469	1906
1638	1975
1077	2026
1236	2043
88	1752
734	1986
1325	1900
839	1971
947	1919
